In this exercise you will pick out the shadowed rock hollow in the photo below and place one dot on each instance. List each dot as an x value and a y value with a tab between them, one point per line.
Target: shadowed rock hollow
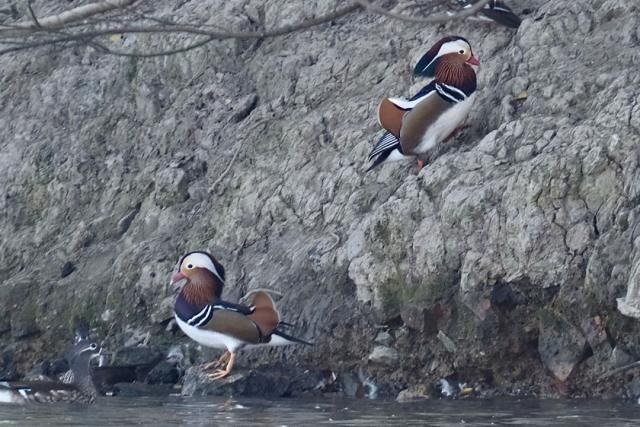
499	263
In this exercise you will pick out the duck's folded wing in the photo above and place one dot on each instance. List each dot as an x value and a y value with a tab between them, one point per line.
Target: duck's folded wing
225	319
391	108
240	308
416	123
265	315
390	115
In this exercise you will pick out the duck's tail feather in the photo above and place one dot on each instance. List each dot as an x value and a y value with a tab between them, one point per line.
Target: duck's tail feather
502	14
285	339
383	149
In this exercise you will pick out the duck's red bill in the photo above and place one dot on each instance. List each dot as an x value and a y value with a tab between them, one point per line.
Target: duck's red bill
177	278
473	61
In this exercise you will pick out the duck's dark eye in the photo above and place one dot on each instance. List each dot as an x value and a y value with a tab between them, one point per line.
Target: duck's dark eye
93	346
461	52
190	266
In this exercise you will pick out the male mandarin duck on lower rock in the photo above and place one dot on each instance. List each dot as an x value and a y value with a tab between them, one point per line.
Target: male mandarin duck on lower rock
203	316
80	389
417	125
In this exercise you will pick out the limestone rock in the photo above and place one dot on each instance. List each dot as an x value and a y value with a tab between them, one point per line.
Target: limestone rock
24	323
561	345
384	338
257	152
414	317
171	187
384	355
269	383
164	373
128	356
413	393
8	368
67	269
594	331
619	357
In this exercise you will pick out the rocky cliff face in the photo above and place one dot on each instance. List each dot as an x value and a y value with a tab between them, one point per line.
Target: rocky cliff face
500	262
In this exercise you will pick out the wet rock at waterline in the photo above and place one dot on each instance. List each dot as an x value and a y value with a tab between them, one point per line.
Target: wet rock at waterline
164	373
272	383
413	393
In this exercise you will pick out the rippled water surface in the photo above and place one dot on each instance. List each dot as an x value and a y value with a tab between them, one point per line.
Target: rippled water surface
254	412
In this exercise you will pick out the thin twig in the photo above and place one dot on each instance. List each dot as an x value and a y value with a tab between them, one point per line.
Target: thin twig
105	49
226	171
336	242
235	155
33	15
203	68
618	370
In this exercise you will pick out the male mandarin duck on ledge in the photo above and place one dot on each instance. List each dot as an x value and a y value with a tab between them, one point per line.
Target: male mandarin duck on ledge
417	125
206	318
80	390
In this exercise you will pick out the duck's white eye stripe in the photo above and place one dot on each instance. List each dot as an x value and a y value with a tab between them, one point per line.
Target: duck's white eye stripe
215	271
202	261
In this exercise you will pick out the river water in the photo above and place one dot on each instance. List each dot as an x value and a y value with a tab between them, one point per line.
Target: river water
173	411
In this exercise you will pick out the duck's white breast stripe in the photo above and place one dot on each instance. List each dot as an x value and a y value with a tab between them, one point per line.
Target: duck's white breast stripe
448	95
198	317
206	318
455	89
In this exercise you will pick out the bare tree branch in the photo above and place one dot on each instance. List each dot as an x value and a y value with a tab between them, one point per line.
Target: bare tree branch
76	14
188	29
424	5
66	27
433	19
193	29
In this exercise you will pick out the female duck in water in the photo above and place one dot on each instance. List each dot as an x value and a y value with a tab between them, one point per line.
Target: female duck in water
79	390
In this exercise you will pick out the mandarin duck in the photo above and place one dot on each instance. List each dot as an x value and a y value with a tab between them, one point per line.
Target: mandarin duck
204	317
80	390
494	10
81	333
417	125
